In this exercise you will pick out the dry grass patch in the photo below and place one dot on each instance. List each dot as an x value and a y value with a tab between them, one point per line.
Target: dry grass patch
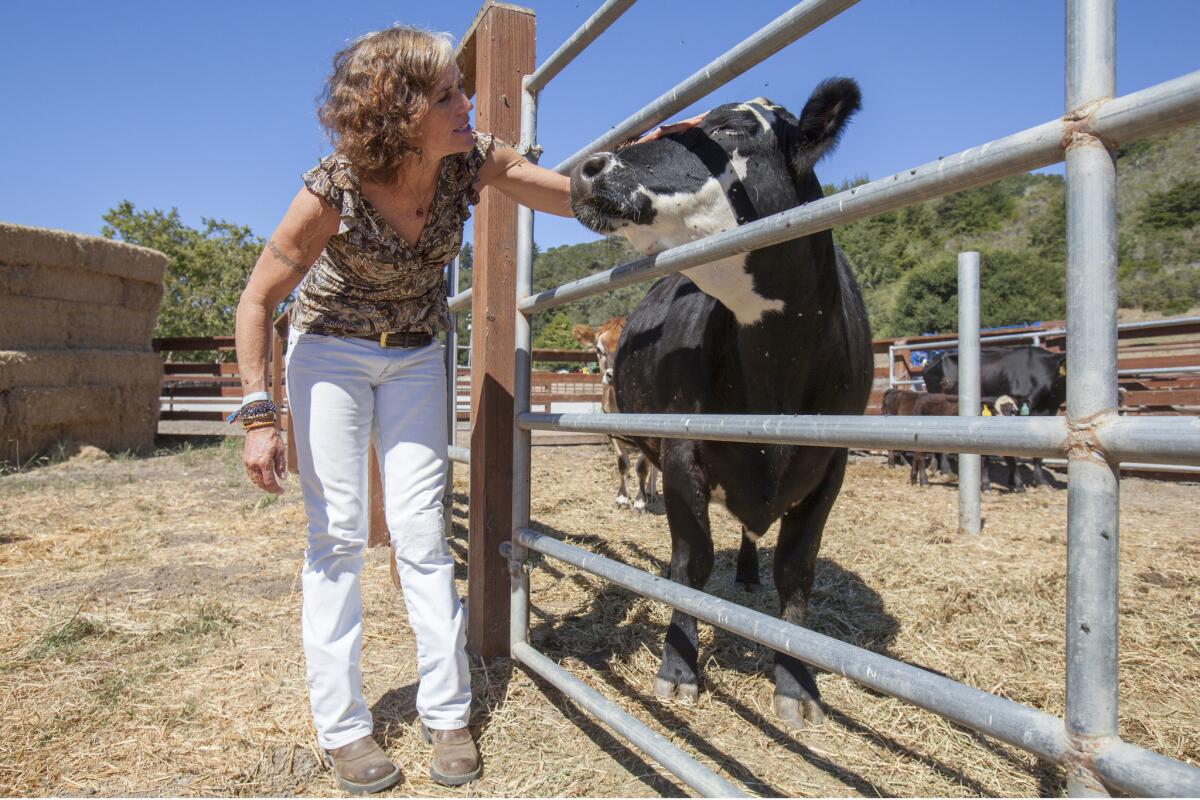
149	639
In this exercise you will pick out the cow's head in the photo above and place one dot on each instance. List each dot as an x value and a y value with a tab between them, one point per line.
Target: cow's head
602	341
1007	406
697	182
743	161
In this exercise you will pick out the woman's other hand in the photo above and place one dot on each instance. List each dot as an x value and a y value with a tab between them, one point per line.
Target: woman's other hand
674	127
265	457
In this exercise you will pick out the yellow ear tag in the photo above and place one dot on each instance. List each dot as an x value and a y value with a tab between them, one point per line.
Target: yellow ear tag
1062	369
987	412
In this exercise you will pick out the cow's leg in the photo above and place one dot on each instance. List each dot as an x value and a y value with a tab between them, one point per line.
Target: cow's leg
797	700
1015	484
645	472
686	495
747	564
622	500
985	480
1040	475
918	473
912	470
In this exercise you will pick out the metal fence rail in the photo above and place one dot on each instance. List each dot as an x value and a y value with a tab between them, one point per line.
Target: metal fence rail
768	40
1166	440
1092	437
1030	149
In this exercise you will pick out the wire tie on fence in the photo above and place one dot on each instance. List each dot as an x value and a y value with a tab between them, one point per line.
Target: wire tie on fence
1081	759
1082	441
1077	127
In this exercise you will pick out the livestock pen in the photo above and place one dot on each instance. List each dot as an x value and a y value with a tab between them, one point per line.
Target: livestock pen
1092	436
150	606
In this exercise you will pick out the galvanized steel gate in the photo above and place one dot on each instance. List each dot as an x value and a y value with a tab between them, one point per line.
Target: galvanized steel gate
1092	437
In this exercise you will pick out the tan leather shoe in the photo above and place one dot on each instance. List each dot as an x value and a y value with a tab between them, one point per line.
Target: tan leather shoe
455	759
362	767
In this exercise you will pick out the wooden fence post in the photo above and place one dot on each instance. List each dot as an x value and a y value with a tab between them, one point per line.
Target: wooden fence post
502	41
279	335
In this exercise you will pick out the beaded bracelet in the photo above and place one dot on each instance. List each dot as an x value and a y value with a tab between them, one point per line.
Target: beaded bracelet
259	425
255	408
265	415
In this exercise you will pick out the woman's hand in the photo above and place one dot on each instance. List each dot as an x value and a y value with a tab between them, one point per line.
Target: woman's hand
265	458
674	127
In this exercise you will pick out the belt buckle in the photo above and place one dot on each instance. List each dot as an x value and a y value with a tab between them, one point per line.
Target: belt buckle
383	339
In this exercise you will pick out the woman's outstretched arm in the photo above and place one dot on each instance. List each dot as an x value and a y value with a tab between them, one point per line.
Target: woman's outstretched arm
542	189
530	185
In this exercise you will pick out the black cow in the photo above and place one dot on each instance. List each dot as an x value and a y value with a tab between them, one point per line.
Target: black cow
1035	374
781	330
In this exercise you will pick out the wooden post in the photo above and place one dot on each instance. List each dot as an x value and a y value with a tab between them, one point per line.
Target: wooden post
378	533
279	333
377	527
502	38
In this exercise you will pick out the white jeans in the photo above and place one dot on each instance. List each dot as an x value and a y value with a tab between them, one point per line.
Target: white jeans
343	392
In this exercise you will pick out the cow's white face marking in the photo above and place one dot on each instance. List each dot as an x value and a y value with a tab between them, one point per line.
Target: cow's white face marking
687	216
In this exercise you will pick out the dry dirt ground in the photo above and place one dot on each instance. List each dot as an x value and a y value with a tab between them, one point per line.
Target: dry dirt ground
149	639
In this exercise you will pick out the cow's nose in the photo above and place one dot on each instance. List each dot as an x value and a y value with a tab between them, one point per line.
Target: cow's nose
595	164
586	171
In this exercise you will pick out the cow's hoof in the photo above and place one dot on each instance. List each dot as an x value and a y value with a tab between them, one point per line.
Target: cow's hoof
665	689
753	587
798	714
639	507
621	502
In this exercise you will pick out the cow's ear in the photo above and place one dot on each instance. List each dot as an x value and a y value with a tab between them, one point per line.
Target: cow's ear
584	335
824	118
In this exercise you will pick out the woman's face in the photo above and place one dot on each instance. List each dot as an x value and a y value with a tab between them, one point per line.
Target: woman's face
446	128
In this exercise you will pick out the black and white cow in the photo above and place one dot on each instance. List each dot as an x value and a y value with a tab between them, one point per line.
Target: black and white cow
781	330
1035	374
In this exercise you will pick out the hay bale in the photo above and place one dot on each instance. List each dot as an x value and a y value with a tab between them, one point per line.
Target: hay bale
41	247
76	318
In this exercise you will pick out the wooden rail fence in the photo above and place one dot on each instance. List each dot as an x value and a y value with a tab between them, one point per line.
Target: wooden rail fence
1162	349
1156	353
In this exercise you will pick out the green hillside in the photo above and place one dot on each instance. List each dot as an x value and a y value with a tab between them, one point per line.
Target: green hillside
905	260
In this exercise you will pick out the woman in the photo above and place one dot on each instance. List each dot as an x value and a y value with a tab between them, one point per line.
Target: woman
366	241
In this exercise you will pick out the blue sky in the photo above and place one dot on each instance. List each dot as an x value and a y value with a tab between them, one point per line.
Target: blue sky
209	107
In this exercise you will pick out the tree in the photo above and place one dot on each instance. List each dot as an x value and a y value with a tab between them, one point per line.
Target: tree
556	335
974	210
206	272
1015	288
1177	207
1048	233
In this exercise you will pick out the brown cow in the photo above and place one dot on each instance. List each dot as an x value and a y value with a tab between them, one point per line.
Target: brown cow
603	341
902	402
927	404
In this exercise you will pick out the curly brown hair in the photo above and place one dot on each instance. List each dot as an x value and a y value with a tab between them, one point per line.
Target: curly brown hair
378	95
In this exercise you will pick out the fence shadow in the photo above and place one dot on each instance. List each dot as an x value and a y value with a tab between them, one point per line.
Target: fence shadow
843	606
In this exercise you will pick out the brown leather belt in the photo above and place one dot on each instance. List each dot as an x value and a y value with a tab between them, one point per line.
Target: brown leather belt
398	338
